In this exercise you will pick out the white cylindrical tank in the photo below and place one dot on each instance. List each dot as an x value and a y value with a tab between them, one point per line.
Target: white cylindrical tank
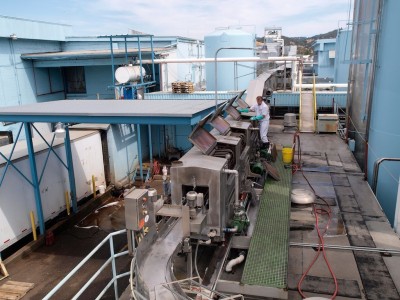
227	77
129	74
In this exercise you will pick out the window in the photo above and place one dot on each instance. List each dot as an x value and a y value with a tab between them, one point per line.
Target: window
75	80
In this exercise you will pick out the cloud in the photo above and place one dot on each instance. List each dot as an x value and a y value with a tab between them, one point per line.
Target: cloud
186	18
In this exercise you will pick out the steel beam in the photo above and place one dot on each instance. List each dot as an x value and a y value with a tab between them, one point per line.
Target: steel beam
150	147
71	174
139	145
35	180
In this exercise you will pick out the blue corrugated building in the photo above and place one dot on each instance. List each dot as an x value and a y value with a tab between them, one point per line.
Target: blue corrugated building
324	58
40	61
374	102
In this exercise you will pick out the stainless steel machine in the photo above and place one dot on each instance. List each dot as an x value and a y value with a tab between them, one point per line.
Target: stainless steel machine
212	186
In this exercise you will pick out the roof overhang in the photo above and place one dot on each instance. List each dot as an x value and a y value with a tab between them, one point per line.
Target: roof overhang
90	57
149	112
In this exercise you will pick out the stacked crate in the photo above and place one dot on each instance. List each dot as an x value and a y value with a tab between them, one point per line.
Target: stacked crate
182	87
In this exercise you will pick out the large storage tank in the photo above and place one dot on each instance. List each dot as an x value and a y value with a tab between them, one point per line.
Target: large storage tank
373	97
231	76
384	128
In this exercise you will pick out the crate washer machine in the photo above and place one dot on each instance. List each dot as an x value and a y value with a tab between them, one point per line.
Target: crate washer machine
211	190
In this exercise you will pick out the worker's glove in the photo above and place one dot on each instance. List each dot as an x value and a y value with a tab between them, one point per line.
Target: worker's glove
256	118
243	110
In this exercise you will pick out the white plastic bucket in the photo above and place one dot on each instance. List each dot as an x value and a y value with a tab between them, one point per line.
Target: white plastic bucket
102	189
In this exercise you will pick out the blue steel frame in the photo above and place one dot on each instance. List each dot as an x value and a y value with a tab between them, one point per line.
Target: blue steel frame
125	37
27	121
35	181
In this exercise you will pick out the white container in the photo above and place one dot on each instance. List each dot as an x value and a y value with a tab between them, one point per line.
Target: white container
102	189
129	74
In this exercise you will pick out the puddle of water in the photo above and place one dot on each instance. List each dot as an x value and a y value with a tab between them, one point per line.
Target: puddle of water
110	217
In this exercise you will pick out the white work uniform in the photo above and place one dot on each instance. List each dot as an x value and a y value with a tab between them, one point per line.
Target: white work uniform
262	110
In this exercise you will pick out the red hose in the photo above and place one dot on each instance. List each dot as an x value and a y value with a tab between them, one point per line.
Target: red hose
317	212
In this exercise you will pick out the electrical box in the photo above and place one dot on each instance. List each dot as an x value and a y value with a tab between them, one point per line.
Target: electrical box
136	209
327	123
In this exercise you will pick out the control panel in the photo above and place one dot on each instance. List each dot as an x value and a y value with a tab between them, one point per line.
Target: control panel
136	209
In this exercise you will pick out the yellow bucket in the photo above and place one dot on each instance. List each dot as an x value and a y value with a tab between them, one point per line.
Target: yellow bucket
287	155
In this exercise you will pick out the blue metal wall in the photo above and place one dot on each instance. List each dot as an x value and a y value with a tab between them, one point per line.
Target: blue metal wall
97	79
327	99
22	84
325	68
31	29
123	153
323	99
384	129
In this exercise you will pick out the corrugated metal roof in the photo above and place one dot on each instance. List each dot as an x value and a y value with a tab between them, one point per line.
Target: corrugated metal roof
111	111
87	54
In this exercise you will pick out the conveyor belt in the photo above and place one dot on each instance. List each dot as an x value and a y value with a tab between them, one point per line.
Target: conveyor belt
307	112
267	259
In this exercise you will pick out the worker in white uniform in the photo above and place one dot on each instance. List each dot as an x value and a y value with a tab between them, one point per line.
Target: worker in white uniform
262	115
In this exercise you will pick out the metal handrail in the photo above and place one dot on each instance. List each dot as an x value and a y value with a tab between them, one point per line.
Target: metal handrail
376	170
192	282
111	260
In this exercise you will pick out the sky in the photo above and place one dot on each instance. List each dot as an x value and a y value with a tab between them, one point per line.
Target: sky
193	19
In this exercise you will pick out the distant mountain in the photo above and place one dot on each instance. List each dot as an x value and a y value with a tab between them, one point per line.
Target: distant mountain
304	44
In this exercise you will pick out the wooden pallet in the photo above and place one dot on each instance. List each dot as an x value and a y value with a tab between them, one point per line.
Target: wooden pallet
180	87
3	270
14	290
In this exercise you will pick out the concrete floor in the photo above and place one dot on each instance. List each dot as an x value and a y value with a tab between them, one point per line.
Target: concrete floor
333	173
47	265
358	220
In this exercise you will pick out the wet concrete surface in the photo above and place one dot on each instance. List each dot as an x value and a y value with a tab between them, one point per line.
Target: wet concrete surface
48	265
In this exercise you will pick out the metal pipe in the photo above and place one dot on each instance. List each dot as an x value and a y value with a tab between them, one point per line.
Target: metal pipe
152	59
228	171
320	85
113	266
352	248
94	186
223	59
376	170
150	146
139	145
234	262
67	204
32	216
112	61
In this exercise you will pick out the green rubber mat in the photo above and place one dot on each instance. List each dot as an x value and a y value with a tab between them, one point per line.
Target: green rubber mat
267	258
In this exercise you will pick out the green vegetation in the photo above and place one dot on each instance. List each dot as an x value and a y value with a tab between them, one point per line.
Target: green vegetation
304	44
